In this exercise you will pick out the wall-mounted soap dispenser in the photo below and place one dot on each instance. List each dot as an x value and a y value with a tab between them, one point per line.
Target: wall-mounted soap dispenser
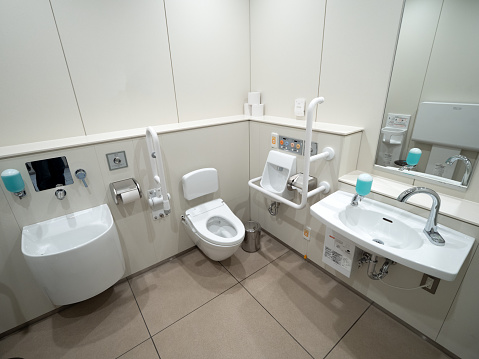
412	159
13	181
363	187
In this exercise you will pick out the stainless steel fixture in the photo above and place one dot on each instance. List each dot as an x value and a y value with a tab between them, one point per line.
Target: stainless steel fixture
60	194
431	225
467	162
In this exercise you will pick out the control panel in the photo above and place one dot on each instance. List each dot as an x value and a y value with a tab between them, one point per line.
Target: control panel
116	160
295	145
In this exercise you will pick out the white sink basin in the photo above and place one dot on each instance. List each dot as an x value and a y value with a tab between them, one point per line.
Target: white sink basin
74	257
394	233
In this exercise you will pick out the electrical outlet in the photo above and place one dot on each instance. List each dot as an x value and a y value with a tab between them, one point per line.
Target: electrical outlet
306	232
431	283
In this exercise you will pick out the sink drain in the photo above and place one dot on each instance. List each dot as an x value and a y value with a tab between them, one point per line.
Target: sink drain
378	241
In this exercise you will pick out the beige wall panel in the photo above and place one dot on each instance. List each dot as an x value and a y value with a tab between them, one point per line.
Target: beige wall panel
460	332
210	52
37	102
118	56
358	53
286	44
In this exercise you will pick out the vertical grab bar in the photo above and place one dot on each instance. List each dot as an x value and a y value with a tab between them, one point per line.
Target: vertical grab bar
328	154
158	197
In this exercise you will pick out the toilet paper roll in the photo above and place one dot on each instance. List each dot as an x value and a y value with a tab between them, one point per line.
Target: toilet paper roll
257	110
254	98
130	196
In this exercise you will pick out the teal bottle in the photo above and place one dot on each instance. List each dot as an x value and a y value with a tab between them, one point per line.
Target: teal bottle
13	180
413	156
363	184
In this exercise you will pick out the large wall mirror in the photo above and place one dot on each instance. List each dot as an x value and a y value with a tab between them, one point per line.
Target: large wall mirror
434	91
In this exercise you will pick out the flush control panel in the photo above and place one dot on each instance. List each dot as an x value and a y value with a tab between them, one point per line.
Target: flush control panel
116	160
295	145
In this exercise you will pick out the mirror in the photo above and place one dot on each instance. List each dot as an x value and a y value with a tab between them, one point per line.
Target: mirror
436	62
49	173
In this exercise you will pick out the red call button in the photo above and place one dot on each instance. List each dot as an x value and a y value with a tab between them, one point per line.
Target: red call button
281	142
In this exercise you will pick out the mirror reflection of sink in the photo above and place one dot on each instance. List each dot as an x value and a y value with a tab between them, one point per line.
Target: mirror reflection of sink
393	233
74	257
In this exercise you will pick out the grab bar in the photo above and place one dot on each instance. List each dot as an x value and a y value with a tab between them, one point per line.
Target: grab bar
158	197
328	154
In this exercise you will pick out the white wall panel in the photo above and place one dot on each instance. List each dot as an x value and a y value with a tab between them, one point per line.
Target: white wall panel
210	52
286	44
37	102
358	53
118	55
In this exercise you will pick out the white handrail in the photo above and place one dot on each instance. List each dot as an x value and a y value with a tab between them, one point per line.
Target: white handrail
328	153
156	161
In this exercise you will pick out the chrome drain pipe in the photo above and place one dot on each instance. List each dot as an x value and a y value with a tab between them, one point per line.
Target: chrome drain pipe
372	260
273	208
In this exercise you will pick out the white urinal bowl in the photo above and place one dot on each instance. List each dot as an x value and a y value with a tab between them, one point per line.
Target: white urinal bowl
74	257
278	169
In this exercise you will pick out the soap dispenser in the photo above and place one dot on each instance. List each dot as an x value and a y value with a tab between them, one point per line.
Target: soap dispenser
13	181
363	187
412	159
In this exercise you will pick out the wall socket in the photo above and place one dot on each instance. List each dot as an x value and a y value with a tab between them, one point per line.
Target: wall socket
430	282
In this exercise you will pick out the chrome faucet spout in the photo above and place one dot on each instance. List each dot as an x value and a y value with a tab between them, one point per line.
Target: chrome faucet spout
467	162
431	225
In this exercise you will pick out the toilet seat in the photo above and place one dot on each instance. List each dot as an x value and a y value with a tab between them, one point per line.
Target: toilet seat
215	223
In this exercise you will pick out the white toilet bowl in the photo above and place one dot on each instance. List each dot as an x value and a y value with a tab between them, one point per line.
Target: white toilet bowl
214	228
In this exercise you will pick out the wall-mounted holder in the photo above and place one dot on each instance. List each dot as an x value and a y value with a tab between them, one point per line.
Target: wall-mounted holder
156	202
296	182
158	198
125	191
13	181
327	154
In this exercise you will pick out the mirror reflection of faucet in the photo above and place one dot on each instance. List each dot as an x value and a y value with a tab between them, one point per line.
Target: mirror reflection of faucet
467	162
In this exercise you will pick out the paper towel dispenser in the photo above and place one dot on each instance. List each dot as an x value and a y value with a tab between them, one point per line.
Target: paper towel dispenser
448	124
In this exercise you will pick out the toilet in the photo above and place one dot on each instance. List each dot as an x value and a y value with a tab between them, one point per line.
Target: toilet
212	226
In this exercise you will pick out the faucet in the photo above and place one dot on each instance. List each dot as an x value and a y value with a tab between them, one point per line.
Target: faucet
431	225
467	162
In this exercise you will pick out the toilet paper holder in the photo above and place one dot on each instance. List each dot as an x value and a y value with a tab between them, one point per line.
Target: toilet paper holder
121	187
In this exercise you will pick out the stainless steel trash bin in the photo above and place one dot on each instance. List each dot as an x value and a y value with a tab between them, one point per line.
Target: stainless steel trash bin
251	238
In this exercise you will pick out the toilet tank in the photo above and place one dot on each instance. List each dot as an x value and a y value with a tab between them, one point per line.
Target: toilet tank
200	182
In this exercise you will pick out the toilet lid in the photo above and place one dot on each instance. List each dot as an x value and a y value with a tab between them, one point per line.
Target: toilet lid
216	223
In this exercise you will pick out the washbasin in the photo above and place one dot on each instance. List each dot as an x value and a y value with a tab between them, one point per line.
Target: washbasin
379	228
394	233
74	257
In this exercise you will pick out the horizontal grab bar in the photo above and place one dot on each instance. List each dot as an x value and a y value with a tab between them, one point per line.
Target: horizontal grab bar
323	187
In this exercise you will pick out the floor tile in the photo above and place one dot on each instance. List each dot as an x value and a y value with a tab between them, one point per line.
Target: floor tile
242	264
233	325
313	307
145	350
376	335
174	289
104	326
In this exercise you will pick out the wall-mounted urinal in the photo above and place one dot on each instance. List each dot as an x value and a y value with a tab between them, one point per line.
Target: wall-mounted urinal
277	170
74	257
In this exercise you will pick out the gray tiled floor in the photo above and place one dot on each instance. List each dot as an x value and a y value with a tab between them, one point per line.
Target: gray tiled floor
268	304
